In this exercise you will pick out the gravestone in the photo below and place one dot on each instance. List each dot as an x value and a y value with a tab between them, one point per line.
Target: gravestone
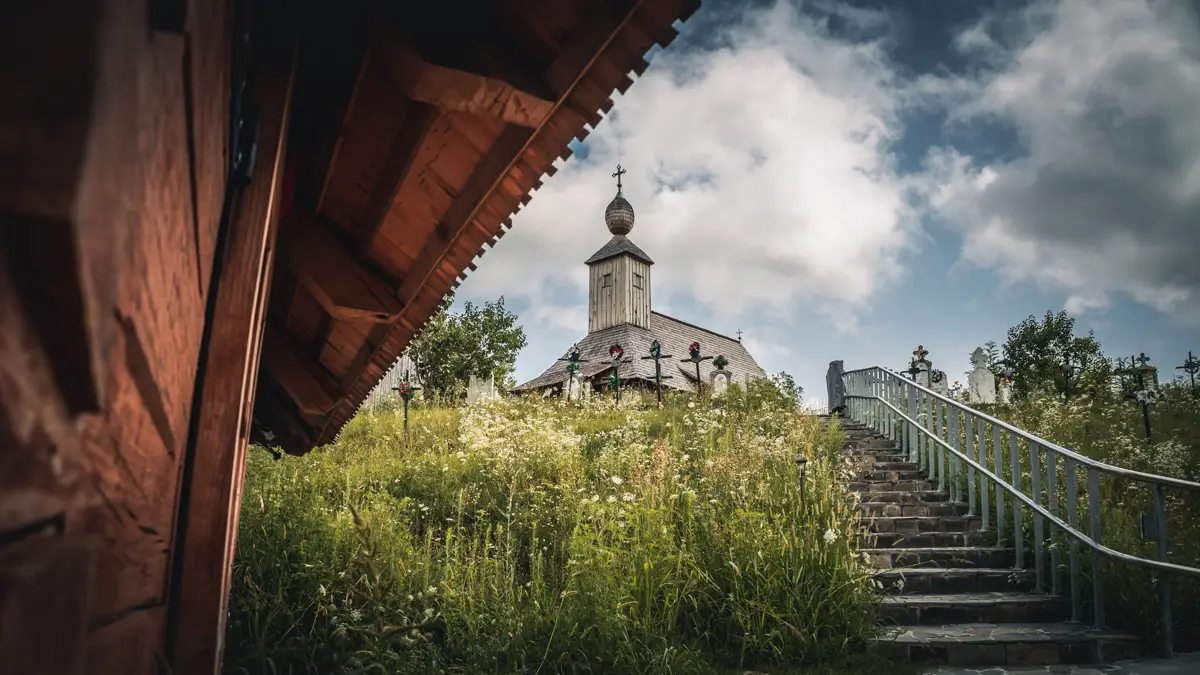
1003	392
924	368
573	389
835	388
981	383
719	381
939	383
480	389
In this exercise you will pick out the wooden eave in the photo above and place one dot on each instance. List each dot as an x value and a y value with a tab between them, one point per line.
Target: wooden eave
409	154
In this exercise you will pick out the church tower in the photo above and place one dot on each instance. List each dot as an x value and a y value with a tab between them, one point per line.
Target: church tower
619	273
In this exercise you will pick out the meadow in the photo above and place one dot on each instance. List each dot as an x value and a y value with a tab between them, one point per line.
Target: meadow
525	536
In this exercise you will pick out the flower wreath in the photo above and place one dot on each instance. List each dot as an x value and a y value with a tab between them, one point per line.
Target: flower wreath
615	351
694	350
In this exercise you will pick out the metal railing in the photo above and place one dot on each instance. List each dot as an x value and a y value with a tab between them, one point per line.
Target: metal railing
950	442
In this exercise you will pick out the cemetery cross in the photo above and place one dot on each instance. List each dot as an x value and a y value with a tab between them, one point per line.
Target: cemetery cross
1191	366
406	391
614	378
656	354
573	368
1068	370
913	370
694	357
1142	395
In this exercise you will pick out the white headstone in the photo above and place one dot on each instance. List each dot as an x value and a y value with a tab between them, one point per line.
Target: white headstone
573	388
981	383
1003	392
481	389
923	370
720	381
939	383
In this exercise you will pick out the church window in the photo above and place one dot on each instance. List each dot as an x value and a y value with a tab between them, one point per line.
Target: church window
607	280
637	280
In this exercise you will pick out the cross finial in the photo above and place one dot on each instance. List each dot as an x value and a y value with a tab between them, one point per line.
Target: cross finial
739	334
620	172
1142	358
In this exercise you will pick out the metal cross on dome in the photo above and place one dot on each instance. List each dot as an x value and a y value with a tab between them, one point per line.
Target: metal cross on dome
620	172
655	355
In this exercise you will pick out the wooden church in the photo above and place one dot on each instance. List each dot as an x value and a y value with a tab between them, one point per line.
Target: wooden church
620	313
223	220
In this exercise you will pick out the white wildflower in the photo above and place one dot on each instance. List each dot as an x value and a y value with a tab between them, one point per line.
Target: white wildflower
617	480
831	536
627	497
611	499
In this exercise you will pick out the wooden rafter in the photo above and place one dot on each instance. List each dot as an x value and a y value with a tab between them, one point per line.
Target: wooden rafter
297	374
346	288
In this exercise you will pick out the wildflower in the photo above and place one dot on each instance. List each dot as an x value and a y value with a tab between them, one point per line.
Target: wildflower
611	499
685	458
831	536
627	497
356	614
691	404
432	590
617	480
595	498
321	590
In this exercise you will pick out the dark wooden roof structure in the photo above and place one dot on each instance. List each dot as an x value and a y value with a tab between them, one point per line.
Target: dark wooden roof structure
411	153
674	335
226	218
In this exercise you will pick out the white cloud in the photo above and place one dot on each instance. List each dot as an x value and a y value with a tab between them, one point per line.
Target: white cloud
759	172
1104	96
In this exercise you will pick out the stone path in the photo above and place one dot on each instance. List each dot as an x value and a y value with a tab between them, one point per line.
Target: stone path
953	595
1184	664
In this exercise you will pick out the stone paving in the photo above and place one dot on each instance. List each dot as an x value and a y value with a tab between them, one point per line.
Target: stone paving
1184	664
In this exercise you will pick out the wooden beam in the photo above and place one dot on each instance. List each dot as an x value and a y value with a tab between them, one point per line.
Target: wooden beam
214	466
300	376
450	89
336	277
418	118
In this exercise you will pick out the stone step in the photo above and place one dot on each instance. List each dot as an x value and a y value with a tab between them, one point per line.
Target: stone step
974	556
868	445
931	580
895	466
877	456
925	539
1002	607
906	496
892	509
892	476
891	486
988	644
915	524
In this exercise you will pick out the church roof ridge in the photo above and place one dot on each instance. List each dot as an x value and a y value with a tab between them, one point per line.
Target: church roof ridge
616	246
692	325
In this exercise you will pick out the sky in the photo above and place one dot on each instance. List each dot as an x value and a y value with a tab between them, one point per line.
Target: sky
846	180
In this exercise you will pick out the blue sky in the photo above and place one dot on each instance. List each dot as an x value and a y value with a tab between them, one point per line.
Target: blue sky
845	180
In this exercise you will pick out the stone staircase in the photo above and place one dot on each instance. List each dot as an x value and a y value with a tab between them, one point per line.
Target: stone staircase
952	594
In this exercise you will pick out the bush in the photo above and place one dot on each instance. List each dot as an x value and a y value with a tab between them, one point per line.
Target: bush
525	536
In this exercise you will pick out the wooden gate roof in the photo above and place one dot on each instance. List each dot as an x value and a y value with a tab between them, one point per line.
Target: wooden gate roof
418	130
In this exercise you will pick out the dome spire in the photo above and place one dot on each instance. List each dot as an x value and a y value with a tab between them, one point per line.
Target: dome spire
619	214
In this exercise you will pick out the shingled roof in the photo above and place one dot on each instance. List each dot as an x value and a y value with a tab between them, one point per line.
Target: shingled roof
616	246
674	335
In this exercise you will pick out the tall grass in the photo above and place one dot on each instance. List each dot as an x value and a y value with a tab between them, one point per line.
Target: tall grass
531	537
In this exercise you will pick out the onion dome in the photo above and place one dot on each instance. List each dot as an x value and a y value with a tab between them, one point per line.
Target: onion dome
619	214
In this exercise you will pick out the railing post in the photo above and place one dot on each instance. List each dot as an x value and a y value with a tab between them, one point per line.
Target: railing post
910	393
983	481
1014	449
1164	578
1073	521
1055	534
956	443
931	447
998	465
1035	473
1094	533
969	451
939	423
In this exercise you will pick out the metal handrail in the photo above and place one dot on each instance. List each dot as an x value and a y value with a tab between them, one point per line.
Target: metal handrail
876	395
1082	459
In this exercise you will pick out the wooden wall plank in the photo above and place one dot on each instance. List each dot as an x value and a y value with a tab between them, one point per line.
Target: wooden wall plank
216	455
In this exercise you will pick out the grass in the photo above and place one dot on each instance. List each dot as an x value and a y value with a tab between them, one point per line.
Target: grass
531	537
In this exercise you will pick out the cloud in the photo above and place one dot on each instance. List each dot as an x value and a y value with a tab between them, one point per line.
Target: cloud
759	170
1104	97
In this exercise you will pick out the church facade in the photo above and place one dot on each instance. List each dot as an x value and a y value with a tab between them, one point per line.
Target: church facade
620	313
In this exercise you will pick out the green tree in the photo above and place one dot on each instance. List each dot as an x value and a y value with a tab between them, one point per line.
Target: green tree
482	340
1038	349
787	386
